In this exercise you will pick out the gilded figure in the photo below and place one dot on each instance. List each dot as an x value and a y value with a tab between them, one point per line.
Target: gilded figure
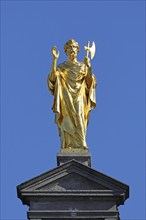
72	84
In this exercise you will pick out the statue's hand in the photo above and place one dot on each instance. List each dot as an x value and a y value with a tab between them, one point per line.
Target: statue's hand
55	53
87	62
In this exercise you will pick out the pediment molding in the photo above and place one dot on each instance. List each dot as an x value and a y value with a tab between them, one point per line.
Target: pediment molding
73	178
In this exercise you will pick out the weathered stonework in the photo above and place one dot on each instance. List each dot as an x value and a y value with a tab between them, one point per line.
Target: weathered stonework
73	191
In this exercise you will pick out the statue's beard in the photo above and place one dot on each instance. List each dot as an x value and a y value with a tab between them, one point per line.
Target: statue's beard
72	55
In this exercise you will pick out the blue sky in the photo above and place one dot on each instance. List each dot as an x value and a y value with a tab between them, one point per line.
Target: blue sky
116	131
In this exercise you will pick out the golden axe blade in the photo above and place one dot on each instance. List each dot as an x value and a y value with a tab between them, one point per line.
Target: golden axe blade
91	49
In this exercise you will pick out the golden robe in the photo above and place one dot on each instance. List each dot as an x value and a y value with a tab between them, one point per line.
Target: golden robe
73	101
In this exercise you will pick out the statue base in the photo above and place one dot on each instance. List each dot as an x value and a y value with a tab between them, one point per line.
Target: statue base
80	155
73	190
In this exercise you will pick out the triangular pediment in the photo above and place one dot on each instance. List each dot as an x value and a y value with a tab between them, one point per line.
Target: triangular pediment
71	181
72	176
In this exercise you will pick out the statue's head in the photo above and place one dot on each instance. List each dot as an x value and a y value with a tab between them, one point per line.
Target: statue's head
71	44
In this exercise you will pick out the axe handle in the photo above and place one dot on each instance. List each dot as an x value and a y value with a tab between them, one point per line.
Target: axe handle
87	51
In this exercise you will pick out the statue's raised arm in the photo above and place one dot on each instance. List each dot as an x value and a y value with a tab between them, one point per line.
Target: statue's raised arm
55	55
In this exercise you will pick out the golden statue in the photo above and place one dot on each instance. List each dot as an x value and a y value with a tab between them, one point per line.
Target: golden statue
72	84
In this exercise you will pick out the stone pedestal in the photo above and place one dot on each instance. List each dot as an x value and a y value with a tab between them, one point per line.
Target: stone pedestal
73	190
83	157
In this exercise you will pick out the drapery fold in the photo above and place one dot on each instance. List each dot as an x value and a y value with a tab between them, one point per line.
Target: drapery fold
73	101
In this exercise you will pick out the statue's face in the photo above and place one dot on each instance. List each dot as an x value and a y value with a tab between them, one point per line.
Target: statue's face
72	51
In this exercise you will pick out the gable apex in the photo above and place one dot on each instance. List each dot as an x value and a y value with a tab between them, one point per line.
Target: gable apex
72	176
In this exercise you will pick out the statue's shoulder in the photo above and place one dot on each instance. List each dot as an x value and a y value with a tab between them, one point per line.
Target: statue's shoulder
81	64
62	65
